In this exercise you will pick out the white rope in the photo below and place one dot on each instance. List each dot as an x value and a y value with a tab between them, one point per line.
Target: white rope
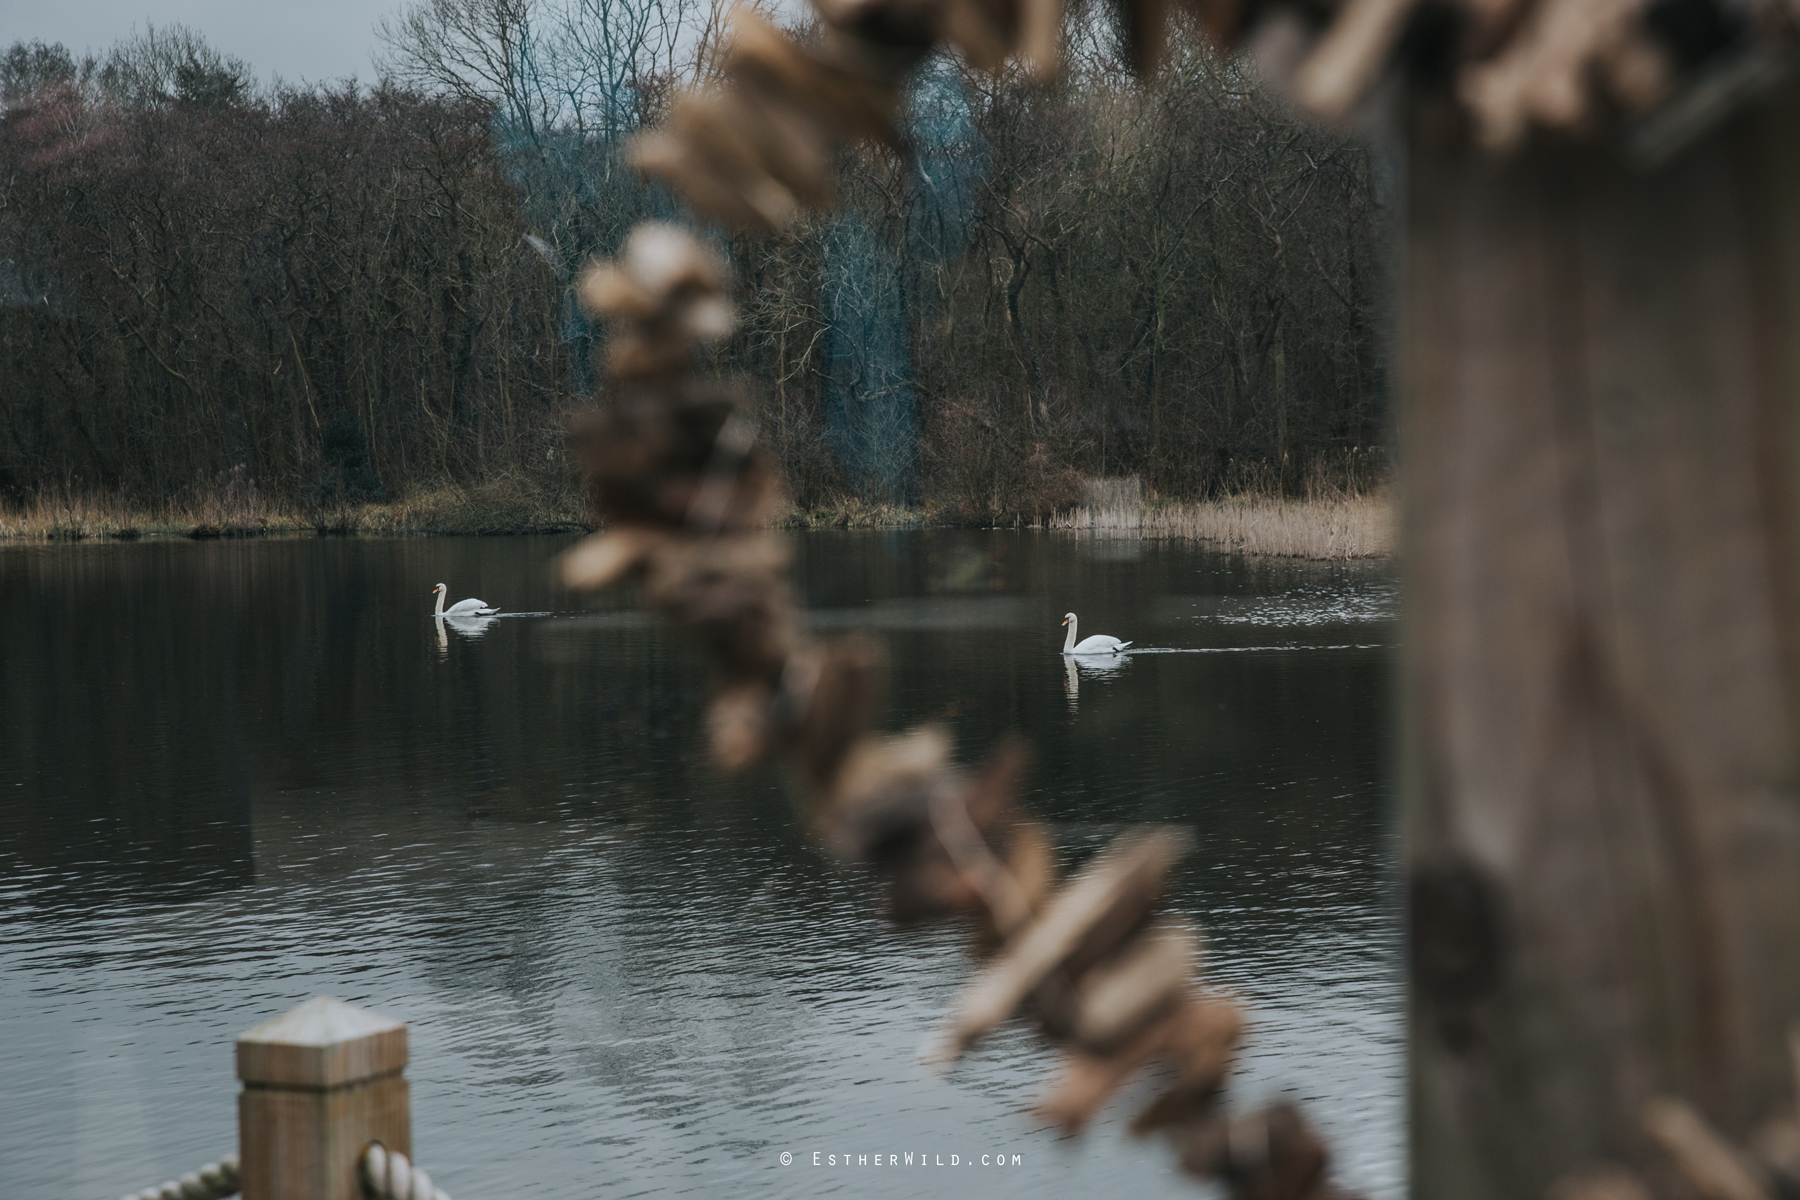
214	1181
387	1175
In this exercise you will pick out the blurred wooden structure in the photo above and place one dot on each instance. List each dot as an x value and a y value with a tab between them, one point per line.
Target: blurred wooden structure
1601	520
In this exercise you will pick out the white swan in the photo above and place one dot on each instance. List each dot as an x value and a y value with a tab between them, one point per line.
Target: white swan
462	608
1098	644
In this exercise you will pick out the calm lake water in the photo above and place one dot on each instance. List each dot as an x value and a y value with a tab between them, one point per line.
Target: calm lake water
236	775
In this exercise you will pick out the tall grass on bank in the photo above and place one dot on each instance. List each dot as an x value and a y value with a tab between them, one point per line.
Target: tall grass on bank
72	517
1110	506
238	510
502	506
1326	525
1330	528
856	514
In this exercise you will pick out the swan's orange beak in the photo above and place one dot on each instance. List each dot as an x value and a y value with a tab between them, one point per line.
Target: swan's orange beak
1065	620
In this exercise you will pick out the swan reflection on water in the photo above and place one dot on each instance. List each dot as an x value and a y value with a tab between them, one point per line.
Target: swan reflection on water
1094	666
468	626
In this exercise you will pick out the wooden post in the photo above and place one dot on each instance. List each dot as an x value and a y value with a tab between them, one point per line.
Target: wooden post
1601	762
320	1084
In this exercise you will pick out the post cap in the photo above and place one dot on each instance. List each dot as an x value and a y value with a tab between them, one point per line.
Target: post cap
324	1043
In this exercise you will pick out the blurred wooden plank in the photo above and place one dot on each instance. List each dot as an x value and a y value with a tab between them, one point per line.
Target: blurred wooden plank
1602	371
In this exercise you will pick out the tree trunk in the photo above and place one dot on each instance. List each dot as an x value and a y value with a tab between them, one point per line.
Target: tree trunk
1603	644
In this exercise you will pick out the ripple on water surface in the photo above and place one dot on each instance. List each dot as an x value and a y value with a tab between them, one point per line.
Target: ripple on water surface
241	774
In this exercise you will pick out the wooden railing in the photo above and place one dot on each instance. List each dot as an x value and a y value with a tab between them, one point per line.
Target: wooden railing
325	1113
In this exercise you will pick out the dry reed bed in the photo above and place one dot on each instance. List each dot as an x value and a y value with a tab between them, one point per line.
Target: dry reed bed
490	509
84	518
1335	528
445	510
1346	527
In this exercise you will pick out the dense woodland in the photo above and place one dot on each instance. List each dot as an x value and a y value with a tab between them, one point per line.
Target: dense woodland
349	292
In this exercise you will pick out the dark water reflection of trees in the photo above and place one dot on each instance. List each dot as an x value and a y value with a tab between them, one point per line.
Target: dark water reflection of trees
236	773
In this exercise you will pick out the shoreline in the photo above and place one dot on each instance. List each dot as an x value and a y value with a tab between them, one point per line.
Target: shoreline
1321	529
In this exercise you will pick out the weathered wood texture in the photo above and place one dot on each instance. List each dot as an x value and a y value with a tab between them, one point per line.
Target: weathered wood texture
1599	762
320	1083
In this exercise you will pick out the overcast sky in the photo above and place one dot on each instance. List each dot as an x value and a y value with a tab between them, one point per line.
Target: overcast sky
300	40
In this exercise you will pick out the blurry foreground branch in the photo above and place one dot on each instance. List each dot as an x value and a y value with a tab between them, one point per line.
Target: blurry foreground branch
759	146
685	494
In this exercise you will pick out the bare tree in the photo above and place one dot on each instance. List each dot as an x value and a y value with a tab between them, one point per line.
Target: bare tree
172	65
